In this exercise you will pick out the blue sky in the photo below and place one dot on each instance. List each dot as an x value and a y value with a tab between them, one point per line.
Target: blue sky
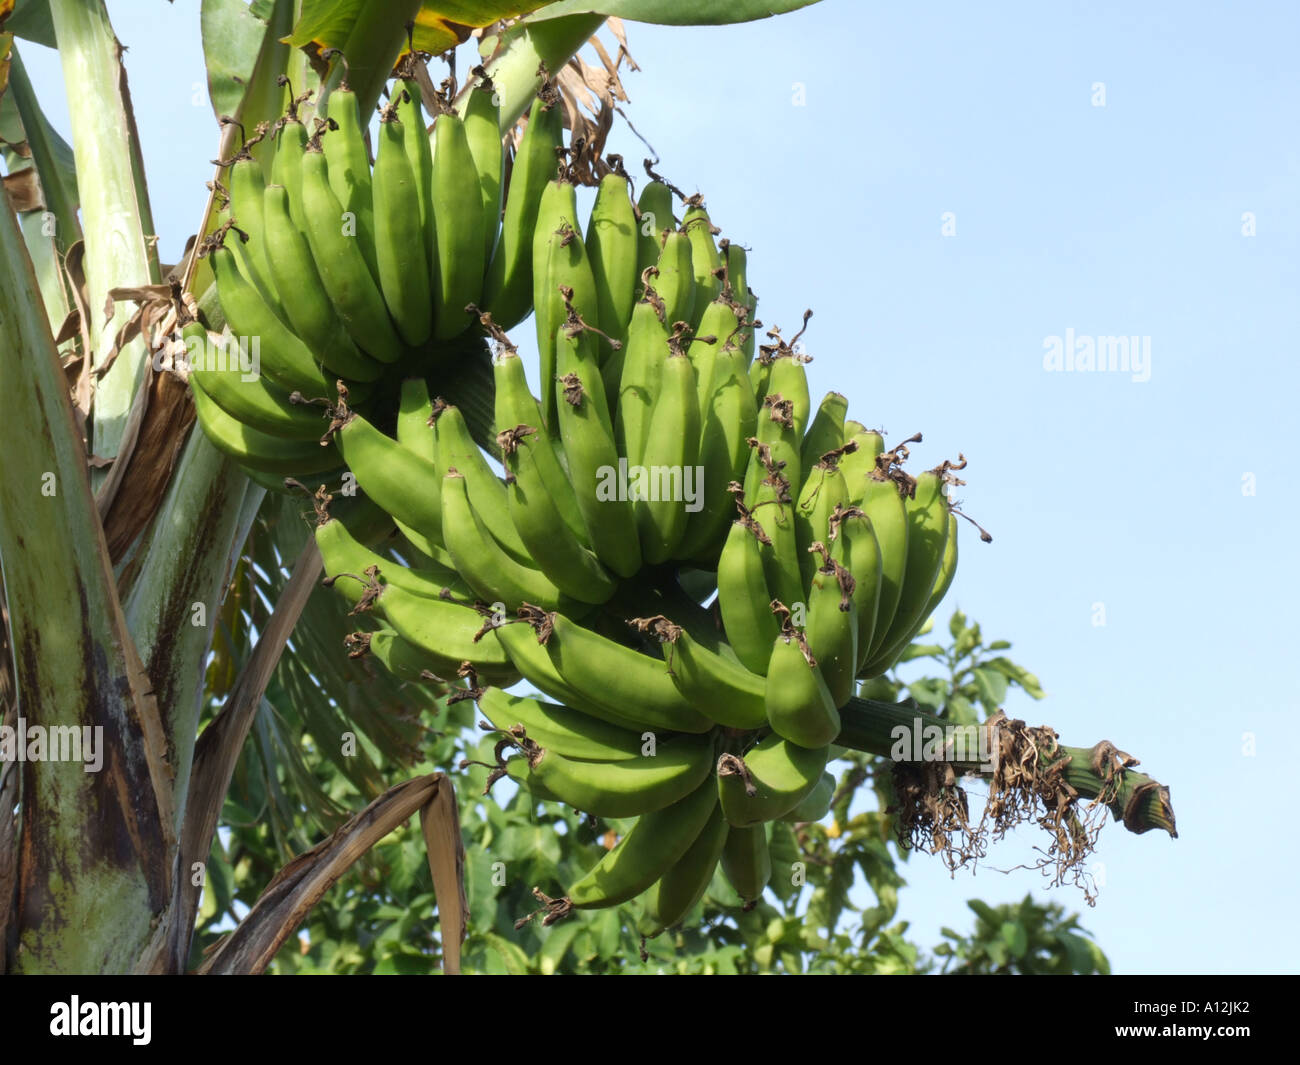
832	143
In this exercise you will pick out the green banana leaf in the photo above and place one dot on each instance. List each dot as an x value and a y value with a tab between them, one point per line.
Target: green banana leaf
234	40
30	20
439	24
674	12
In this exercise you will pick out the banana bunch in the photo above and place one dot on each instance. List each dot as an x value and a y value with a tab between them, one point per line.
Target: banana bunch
692	566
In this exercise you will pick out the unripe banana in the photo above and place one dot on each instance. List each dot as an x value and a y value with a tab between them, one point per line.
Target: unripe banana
816	804
564	731
823	491
612	250
670	457
395	477
251	400
863	561
347	560
593	460
459	232
684	883
650	848
286	167
826	433
721	689
246	181
309	309
491	573
509	290
442	628
483	133
627	788
779	433
644	354
800	707
633	685
780	774
883	505
456	448
746	861
832	628
403	264
516	405
349	170
414	432
705	258
257	450
737	265
565	561
743	596
729	418
859	464
774	511
943	580
559	262
419	153
676	280
654	216
284	358
337	247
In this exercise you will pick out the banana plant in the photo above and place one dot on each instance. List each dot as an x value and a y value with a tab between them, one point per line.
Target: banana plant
124	533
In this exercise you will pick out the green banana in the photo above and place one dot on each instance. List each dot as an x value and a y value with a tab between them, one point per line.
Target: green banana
283	357
442	628
729	418
800	707
781	774
483	134
489	570
684	883
246	181
593	460
737	262
534	515
717	328
530	658
943	581
559	729
863	561
517	770
339	261
823	491
676	280
612	250
650	848
883	505
245	396
633	685
626	788
559	262
705	259
515	405
456	448
927	532
640	373
349	170
743	596
403	264
344	554
718	687
790	379
816	804
832	626
669	460
654	212
388	473
286	168
459	237
774	511
257	450
413	429
826	433
746	861
859	463
777	432
419	153
310	311
508	293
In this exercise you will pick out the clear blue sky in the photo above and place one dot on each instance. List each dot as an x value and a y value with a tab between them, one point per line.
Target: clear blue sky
832	142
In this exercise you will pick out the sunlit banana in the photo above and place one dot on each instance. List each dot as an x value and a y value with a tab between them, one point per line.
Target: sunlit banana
863	560
743	596
413	429
460	239
832	627
508	292
684	883
612	250
258	450
565	731
650	848
826	433
675	282
640	373
883	504
403	264
419	153
246	181
669	459
718	687
800	707
654	209
705	258
349	169
779	774
483	133
824	489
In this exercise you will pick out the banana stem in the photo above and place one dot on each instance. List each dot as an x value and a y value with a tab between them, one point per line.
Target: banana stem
1140	802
